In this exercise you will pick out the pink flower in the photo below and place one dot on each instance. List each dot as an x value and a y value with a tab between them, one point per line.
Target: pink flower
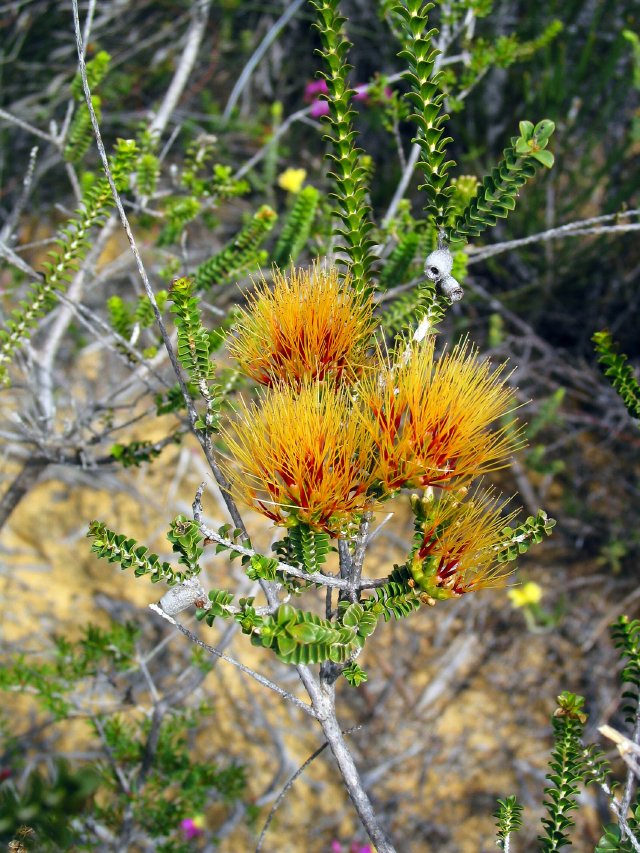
362	93
315	88
319	108
192	827
336	847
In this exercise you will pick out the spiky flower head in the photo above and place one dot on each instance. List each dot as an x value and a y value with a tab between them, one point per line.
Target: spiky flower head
430	418
311	325
457	542
303	457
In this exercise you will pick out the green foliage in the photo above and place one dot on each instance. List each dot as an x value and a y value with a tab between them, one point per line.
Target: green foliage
147	174
397	265
143	310
396	599
47	804
218	605
239	255
354	674
120	316
618	371
308	548
97	70
184	534
612	840
193	340
175	786
297	227
518	540
508	819
496	196
116	548
73	243
51	681
193	350
132	455
179	211
427	99
81	131
349	172
566	771
626	638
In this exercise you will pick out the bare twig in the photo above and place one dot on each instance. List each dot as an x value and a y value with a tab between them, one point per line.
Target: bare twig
250	672
257	55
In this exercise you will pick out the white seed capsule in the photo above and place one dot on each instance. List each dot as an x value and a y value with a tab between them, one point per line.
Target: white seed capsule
450	288
438	264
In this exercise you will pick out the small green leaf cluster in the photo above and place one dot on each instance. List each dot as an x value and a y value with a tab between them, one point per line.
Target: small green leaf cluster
619	372
518	540
567	770
496	196
625	634
124	316
117	548
349	172
73	243
185	537
97	69
427	98
179	211
308	548
193	350
80	134
132	455
297	227
302	637
396	599
218	604
509	819
354	674
240	254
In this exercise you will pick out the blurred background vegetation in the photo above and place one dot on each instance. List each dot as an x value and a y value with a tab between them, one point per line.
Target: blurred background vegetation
462	717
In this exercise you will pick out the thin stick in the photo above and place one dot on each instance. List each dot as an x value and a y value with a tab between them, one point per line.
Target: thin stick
250	672
289	785
258	53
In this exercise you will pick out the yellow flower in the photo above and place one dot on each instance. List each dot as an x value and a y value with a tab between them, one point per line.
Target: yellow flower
457	544
303	457
524	596
311	325
430	417
292	180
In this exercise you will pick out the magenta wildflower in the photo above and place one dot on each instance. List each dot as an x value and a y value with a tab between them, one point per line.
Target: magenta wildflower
192	827
361	93
319	108
336	847
315	88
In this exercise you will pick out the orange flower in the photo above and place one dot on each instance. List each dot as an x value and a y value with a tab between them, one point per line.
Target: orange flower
303	457
430	418
457	544
311	325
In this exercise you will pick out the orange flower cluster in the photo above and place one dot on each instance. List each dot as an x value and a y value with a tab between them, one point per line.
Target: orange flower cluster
312	325
458	544
303	457
338	430
429	418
